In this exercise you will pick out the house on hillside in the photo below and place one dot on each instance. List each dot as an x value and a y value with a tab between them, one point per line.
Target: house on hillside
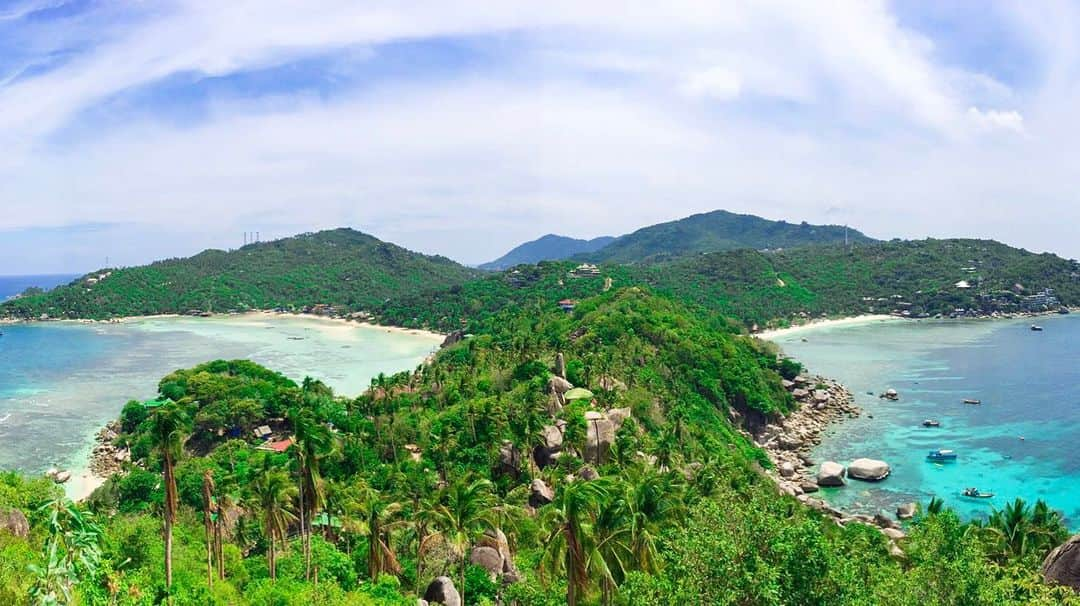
585	270
567	305
277	445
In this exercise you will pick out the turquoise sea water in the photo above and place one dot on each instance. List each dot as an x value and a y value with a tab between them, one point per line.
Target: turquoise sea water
1029	385
60	382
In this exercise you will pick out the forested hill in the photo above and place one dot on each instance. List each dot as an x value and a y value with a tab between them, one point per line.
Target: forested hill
718	230
551	247
920	278
340	267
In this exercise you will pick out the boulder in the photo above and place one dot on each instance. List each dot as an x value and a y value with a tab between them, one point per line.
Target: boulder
587	473
600	437
541	494
489	559
560	385
883	521
508	459
894	533
868	470
442	591
808	486
906	511
421	602
14	521
548	453
610	383
618	415
1063	564
62	477
560	366
821	396
786	470
830	474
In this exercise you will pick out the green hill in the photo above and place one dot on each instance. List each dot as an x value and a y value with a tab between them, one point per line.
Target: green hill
551	247
717	231
340	267
917	277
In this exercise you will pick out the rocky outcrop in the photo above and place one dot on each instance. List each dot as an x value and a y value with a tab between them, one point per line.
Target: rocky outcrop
442	591
14	521
452	338
1062	566
868	470
496	539
906	511
509	460
587	473
489	559
547	453
830	474
540	493
560	366
560	385
618	416
599	437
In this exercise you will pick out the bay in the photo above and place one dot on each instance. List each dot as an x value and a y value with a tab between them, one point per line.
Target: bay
1020	442
62	381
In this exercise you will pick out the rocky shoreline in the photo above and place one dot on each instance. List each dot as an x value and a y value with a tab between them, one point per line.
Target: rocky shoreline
106	459
788	441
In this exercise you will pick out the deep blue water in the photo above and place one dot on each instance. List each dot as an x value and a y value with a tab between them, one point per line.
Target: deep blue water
1022	441
13	285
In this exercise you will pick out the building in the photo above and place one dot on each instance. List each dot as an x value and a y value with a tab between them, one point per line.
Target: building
567	304
1041	301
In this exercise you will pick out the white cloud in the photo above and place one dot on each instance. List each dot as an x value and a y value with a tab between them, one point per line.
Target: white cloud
577	122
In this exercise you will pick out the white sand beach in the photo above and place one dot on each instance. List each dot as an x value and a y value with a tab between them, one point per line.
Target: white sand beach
770	335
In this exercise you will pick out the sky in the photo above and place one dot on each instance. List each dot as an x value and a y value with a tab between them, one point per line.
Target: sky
133	131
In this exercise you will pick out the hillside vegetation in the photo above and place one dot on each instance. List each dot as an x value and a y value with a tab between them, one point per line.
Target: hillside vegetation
717	231
547	248
342	267
485	468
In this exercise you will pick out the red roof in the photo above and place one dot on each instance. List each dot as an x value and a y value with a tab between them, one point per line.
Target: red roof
280	445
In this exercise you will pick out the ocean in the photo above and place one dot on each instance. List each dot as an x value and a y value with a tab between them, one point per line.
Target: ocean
13	285
60	382
1019	442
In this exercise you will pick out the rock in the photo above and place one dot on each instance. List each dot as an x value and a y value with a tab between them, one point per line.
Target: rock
610	383
560	385
453	338
508	459
51	473
14	521
598	440
497	540
62	477
547	455
560	366
821	396
800	394
808	486
894	533
786	470
831	474
895	551
442	591
541	494
421	602
489	559
1063	564
906	511
882	521
869	470
618	415
587	473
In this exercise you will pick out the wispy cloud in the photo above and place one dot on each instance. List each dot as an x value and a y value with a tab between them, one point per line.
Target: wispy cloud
433	122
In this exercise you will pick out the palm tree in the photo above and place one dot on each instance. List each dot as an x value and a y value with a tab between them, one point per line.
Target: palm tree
464	513
652	500
571	548
378	517
225	503
1019	531
313	441
209	508
272	494
169	427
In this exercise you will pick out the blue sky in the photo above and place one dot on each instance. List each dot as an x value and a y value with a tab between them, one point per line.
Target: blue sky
137	131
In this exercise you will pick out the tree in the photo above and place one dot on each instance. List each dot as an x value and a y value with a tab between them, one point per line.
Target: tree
170	425
314	440
72	552
570	546
272	494
463	514
1020	531
378	517
209	509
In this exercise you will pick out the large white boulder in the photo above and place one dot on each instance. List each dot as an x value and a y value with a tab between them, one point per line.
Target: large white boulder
869	470
830	474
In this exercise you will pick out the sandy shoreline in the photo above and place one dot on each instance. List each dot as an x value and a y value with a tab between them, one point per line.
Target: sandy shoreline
826	323
85	480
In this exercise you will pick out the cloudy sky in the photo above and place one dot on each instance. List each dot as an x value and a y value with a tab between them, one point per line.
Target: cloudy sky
141	130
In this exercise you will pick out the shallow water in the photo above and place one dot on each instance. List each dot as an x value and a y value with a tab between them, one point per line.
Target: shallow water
60	382
1029	384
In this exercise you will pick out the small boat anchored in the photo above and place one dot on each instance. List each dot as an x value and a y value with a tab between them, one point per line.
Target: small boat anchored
931	423
972	401
975	493
1036	328
941	455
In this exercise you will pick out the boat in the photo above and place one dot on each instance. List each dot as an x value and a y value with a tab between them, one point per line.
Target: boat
975	493
931	423
1036	328
972	401
942	455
